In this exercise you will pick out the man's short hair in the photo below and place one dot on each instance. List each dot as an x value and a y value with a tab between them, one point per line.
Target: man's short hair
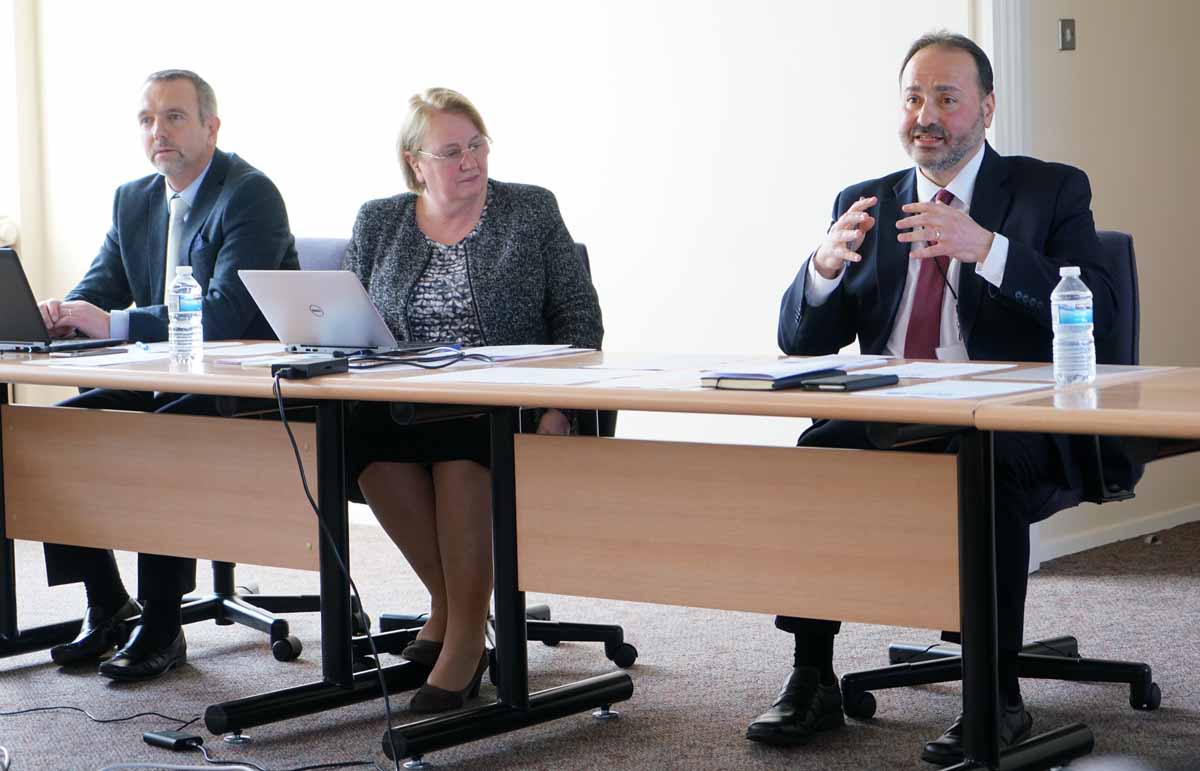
421	108
983	66
205	96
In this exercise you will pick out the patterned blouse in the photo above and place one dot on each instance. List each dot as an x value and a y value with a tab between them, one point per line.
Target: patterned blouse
442	308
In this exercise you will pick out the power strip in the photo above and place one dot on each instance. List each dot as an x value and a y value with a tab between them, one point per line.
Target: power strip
302	370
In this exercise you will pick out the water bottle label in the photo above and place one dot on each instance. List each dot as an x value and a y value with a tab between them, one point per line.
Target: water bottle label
192	305
1074	315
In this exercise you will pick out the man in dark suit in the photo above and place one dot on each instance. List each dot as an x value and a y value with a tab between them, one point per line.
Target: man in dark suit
953	259
229	217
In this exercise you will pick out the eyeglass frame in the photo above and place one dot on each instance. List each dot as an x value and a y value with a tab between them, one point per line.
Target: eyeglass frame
485	143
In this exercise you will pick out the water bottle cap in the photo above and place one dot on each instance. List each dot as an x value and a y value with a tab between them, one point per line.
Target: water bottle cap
186	270
1068	270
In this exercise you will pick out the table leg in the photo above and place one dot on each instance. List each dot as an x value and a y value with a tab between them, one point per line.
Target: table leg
336	655
340	685
977	599
515	707
14	641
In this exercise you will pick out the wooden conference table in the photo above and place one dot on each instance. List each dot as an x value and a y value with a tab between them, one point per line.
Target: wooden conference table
812	532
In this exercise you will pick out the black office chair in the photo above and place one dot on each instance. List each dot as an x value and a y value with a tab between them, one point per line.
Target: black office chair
1056	658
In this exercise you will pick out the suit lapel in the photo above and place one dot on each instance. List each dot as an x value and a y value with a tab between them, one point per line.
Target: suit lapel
990	202
410	242
891	255
156	242
206	197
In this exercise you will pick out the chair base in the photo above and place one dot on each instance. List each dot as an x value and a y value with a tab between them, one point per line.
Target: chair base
539	628
1053	659
227	605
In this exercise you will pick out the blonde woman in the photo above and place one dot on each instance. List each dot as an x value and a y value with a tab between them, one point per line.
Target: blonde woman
465	258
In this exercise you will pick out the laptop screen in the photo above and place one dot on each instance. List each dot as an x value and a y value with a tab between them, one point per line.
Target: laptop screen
20	320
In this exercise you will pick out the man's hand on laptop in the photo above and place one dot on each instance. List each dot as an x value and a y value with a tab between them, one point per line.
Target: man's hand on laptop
66	317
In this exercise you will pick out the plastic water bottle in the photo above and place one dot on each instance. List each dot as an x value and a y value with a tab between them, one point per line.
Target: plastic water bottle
185	335
1071	315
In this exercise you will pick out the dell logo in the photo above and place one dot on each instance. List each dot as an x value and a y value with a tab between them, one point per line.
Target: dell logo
316	310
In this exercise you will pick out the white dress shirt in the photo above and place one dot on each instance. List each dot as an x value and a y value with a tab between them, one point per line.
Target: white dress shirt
817	288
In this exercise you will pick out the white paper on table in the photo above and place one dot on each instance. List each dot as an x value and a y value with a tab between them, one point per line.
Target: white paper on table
235	356
524	376
163	346
131	356
1046	374
515	352
956	389
676	379
652	362
935	369
792	366
280	358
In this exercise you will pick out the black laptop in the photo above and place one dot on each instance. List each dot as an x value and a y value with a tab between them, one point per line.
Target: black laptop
21	327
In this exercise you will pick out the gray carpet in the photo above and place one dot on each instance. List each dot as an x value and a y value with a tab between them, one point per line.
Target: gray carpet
702	676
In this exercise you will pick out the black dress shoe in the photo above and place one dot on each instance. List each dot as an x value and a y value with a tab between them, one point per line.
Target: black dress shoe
99	633
803	708
140	660
947	750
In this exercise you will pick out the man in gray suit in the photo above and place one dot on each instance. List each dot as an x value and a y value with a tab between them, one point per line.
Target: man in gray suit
233	218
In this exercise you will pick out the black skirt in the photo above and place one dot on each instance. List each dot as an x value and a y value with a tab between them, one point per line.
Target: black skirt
371	435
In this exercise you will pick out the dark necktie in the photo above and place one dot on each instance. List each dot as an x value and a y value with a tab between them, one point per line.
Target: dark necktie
921	340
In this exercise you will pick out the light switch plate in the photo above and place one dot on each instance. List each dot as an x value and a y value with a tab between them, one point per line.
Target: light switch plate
1066	34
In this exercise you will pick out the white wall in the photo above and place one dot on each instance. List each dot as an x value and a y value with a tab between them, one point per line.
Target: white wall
1124	107
695	147
9	188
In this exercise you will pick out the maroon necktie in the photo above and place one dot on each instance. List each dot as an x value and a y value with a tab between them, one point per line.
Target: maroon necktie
924	324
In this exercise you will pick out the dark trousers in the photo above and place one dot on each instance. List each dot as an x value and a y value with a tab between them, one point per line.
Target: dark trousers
159	577
1028	488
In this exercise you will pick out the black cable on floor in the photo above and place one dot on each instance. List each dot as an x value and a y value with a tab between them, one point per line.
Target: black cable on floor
183	723
335	764
387	702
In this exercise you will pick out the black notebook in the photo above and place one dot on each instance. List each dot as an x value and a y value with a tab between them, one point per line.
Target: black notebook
850	382
751	381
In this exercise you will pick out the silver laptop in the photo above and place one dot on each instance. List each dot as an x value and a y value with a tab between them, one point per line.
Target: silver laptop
319	311
21	327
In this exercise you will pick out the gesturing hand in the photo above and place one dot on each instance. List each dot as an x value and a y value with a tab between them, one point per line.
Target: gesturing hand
844	238
955	233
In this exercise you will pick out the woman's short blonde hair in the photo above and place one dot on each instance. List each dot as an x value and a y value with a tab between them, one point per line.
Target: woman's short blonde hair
421	108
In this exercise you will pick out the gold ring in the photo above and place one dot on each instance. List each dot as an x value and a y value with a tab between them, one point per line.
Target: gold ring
937	234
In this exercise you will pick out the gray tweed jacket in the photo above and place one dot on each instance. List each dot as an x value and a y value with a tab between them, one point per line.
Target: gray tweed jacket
529	286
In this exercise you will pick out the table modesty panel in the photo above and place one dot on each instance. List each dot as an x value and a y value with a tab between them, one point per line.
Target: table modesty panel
812	532
212	488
